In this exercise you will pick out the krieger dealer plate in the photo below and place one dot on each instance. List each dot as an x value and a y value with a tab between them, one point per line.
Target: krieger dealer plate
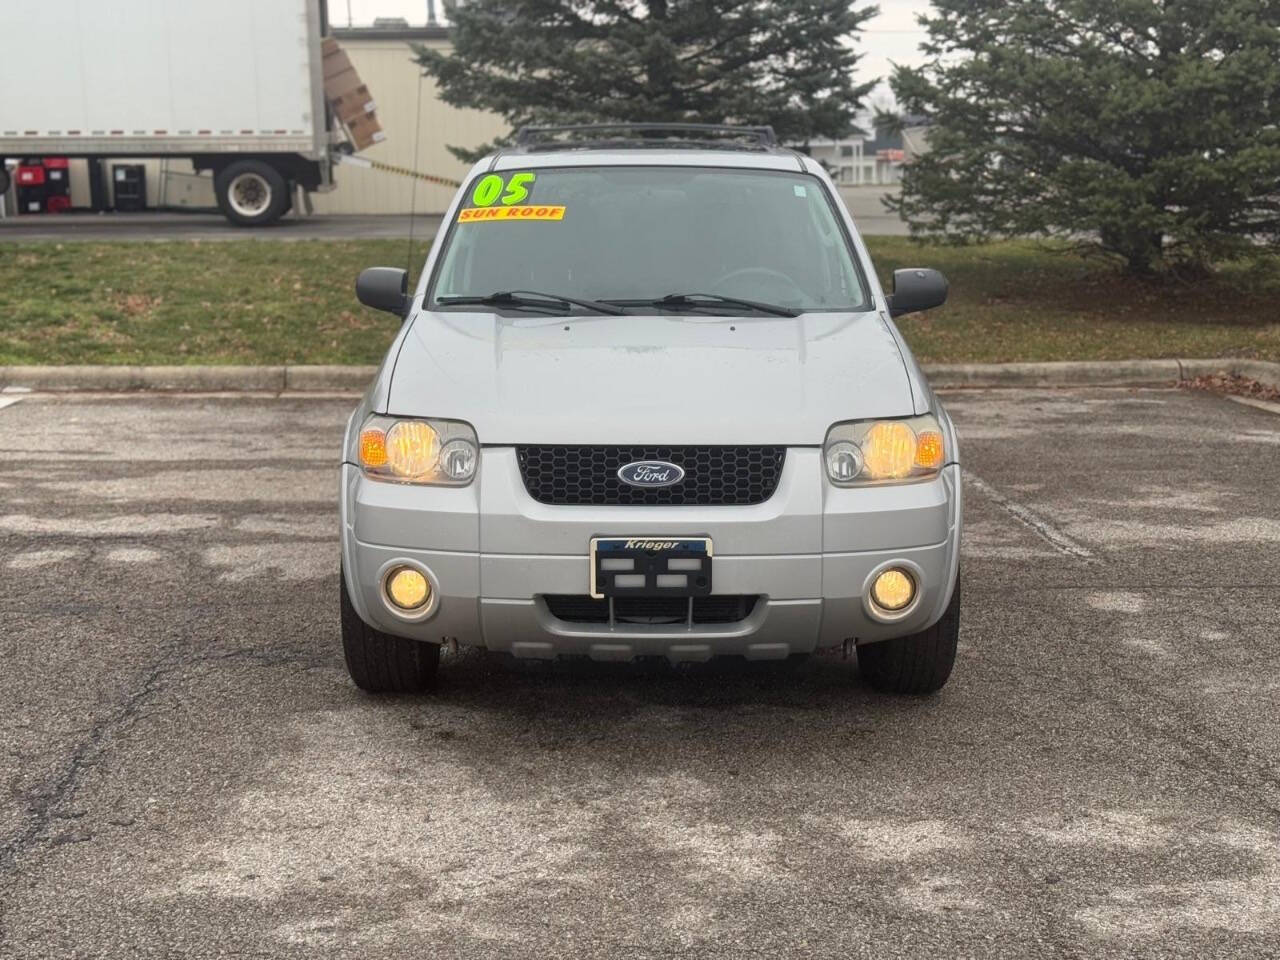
650	567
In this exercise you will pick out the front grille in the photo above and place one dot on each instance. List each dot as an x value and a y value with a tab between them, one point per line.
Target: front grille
588	476
726	608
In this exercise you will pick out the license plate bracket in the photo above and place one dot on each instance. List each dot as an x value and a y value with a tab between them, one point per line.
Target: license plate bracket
650	567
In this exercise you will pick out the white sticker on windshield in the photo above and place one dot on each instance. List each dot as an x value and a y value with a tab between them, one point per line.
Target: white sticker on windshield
799	189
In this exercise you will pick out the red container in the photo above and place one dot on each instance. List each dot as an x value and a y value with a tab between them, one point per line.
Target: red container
57	203
56	163
30	176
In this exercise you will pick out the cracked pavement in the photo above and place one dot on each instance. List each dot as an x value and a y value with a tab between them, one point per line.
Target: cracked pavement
188	772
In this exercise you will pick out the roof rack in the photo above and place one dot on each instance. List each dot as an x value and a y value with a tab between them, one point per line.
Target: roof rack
603	136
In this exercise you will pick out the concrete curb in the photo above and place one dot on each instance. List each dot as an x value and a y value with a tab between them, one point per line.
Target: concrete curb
1118	373
194	379
1059	374
1261	370
354	379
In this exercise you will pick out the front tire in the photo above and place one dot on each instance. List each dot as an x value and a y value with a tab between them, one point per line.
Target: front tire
251	193
919	663
381	663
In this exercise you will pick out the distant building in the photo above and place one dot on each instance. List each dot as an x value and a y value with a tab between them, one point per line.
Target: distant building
915	139
863	160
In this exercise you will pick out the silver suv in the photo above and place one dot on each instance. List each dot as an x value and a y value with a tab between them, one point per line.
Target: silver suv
648	401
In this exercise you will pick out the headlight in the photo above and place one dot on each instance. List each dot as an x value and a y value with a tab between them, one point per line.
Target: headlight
880	451
440	452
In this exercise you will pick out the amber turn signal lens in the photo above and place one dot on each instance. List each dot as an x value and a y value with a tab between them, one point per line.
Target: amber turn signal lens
929	450
893	590
373	448
408	589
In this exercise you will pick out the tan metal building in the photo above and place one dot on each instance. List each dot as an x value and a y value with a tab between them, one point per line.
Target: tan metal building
383	58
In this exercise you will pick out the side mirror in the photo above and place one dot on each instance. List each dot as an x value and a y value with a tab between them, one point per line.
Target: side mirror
384	288
916	288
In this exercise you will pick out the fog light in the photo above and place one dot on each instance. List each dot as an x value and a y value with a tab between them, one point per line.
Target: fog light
408	589
893	590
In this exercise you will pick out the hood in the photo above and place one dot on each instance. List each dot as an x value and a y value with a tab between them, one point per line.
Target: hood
663	379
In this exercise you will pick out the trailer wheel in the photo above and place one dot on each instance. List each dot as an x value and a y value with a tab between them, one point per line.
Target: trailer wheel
251	193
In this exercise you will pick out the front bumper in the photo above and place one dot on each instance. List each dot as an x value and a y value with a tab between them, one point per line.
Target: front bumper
808	553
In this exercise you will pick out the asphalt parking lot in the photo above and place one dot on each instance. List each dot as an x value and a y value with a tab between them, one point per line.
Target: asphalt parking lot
188	771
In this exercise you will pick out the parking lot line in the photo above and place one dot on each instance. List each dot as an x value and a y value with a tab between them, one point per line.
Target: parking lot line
1055	537
1255	402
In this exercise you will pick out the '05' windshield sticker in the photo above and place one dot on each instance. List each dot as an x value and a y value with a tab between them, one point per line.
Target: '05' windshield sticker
498	198
528	212
492	188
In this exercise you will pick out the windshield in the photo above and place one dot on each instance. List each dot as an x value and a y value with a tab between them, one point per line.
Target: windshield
644	233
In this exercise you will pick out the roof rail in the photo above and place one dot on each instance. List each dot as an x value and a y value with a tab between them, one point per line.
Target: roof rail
597	136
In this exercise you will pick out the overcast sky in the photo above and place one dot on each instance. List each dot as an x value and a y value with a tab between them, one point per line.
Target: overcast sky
893	35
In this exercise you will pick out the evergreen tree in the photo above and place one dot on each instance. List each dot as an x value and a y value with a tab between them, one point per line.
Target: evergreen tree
1149	129
789	64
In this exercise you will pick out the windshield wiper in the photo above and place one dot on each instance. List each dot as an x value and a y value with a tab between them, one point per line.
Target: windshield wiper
533	299
677	301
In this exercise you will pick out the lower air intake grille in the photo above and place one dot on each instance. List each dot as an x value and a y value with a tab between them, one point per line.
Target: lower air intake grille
714	609
588	476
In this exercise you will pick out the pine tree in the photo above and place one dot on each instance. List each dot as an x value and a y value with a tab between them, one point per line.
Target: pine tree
789	64
1148	129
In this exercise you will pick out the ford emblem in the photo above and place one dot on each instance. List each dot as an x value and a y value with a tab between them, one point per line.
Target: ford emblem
651	473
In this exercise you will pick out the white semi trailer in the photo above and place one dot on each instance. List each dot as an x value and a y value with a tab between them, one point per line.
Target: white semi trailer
236	86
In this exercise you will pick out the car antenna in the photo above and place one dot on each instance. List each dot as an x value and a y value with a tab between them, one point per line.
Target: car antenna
413	190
